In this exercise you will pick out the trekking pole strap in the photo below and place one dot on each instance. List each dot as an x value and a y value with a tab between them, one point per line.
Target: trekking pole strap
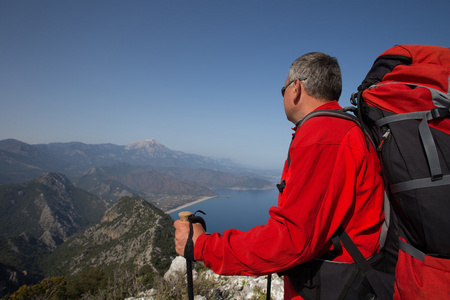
189	248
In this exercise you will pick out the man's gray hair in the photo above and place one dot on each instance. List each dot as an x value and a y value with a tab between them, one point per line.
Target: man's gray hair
323	75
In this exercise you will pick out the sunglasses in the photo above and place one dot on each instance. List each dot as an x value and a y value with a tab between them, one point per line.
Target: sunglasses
283	89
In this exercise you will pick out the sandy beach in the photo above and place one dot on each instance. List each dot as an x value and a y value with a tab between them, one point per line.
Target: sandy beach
190	203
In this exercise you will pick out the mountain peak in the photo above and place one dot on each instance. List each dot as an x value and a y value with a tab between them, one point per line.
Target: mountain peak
53	180
151	148
15	146
144	144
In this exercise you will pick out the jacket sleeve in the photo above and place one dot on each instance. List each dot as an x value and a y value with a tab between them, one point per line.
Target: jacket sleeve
319	193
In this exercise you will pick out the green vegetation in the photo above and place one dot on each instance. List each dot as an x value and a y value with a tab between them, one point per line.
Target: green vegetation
259	294
91	284
96	284
120	283
53	288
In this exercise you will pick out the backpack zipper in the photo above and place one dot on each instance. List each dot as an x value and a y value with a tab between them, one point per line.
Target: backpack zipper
383	139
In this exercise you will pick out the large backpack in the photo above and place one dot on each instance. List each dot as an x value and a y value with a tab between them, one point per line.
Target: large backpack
371	278
404	102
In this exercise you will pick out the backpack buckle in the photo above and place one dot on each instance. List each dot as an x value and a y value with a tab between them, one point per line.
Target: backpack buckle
440	112
281	186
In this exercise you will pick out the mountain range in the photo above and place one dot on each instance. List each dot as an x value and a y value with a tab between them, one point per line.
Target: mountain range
20	161
147	169
70	207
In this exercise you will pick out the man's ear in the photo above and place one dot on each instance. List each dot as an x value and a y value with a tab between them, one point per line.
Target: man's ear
297	90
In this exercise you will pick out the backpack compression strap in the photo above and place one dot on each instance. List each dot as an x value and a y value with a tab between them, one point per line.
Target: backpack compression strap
437	177
442	101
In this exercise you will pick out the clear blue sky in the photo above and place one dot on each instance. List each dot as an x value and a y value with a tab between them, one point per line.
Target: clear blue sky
201	77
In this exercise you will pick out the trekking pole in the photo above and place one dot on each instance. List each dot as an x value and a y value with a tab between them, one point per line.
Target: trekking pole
184	217
269	285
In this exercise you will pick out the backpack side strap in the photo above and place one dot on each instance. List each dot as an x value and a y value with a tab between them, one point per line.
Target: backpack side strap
414	252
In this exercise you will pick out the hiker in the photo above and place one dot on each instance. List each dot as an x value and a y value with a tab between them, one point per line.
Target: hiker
331	180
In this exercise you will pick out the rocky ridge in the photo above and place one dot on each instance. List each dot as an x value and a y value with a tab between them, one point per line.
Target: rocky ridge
237	287
49	208
132	233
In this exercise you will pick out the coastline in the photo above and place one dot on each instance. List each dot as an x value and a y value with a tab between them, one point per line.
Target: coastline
190	203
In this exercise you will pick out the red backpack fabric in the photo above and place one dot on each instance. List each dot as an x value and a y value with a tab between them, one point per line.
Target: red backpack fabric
404	102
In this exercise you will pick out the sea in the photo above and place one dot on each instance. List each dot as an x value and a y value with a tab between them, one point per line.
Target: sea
237	209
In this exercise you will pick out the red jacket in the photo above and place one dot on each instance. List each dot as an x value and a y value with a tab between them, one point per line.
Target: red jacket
332	179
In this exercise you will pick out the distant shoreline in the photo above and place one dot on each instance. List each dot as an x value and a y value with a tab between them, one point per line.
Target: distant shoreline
189	204
210	197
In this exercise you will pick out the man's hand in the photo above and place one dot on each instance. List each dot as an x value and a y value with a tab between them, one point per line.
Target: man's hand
182	233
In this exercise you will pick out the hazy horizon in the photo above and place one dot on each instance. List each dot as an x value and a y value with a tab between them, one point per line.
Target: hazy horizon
198	76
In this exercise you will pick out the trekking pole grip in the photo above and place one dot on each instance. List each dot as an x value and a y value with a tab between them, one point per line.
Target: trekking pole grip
184	215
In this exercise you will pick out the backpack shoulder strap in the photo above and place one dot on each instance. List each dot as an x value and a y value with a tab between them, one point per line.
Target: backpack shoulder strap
329	113
343	114
381	283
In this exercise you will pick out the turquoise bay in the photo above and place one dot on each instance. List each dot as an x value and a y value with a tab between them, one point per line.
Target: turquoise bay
238	209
